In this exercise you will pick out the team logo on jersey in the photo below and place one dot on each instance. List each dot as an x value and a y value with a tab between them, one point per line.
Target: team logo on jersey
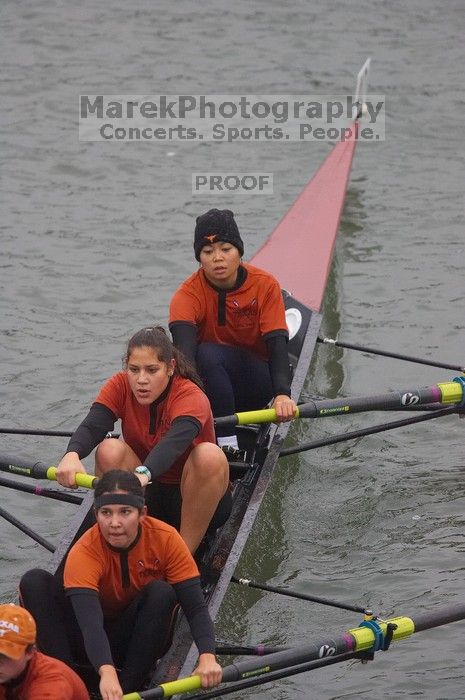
149	571
245	317
249	310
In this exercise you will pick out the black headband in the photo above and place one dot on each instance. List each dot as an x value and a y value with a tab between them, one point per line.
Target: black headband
119	499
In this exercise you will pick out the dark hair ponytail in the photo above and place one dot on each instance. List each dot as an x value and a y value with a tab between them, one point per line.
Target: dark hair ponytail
155	337
118	480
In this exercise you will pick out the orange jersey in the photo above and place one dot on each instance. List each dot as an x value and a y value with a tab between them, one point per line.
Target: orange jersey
159	554
46	679
144	426
252	311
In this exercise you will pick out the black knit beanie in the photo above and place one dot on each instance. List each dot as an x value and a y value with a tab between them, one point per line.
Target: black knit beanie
216	225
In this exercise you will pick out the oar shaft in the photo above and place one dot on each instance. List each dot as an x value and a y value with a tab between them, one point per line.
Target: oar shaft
34	431
343	437
27	530
438	617
46	433
353	641
273	676
35	470
40	491
359	639
443	393
225	649
394	355
297	594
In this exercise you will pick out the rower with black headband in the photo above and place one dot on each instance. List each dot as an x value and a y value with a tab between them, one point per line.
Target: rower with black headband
122	581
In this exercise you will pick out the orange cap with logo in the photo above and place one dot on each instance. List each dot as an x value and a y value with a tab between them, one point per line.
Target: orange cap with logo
17	630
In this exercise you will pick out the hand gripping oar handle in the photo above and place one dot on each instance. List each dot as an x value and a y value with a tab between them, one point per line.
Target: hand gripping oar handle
265	415
87	481
445	393
38	470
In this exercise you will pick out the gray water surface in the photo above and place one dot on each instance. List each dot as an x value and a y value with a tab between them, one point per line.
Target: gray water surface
96	236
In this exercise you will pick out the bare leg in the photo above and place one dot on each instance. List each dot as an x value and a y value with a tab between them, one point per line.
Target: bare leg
204	482
205	479
114	454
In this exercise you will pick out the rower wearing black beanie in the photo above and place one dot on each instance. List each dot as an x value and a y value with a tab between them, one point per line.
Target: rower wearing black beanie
223	224
229	318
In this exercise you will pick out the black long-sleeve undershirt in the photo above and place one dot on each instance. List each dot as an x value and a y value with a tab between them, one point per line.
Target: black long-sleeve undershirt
89	615
184	336
278	360
99	421
174	443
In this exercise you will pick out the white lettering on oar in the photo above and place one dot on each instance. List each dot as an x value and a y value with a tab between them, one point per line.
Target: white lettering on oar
326	650
409	399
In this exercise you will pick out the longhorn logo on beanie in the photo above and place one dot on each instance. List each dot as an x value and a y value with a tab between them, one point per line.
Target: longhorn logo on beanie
216	225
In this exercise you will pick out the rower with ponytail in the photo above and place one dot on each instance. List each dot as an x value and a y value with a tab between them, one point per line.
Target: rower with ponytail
169	438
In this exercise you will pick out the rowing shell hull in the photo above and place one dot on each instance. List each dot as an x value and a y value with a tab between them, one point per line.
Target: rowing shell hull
299	254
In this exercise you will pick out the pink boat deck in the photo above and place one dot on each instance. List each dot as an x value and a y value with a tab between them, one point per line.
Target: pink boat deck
310	227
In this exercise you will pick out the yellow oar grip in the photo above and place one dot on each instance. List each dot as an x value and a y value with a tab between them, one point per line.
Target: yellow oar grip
266	415
365	637
52	474
87	481
451	392
182	685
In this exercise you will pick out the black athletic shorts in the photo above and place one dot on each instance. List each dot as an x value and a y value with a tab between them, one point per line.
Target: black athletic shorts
164	502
